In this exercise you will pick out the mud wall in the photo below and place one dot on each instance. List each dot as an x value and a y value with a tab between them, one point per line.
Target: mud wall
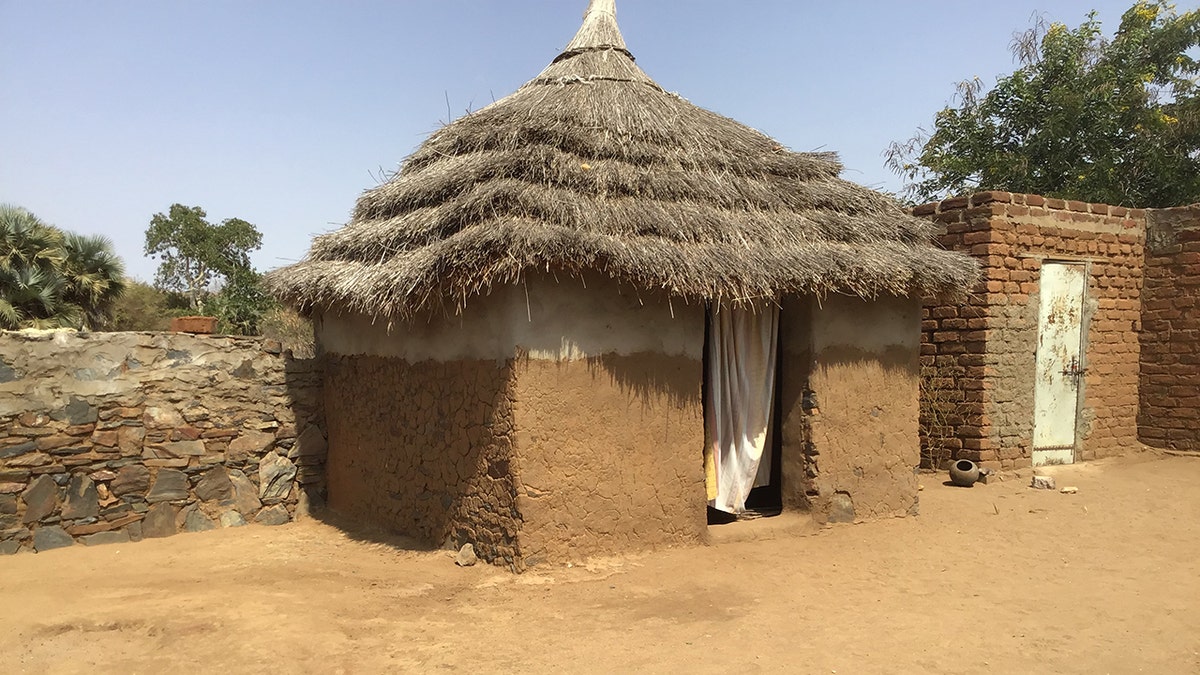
544	318
863	408
978	356
610	431
610	454
1169	415
112	437
799	465
424	449
585	398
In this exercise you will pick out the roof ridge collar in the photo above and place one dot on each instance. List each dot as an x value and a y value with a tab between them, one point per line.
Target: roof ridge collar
599	29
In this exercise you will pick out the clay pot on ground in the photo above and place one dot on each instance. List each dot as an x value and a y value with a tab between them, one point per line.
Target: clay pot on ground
964	473
201	325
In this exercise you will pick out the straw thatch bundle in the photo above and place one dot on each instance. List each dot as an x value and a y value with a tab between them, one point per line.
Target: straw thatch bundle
593	166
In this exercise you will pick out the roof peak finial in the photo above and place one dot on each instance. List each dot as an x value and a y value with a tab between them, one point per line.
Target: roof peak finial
607	6
599	29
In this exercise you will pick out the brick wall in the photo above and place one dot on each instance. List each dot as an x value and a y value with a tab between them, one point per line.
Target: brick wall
1170	341
978	356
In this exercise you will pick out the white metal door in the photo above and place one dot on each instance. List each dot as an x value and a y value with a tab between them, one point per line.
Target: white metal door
1059	372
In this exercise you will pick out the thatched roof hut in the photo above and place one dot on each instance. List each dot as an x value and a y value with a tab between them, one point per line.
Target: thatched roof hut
578	408
592	166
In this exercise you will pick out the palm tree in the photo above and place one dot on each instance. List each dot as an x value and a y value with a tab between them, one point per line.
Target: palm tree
94	277
52	279
25	241
30	297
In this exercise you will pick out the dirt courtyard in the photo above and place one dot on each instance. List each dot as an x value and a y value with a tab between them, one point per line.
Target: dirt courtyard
998	578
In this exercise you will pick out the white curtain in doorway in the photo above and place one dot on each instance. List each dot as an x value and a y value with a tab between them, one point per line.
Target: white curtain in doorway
742	345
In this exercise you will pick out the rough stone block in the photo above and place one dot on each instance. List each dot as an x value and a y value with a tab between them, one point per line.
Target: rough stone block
466	556
169	485
131	479
157	417
60	443
79	412
31	432
231	518
215	485
41	499
1042	482
273	515
841	508
82	499
250	443
51	537
102	526
275	474
311	443
195	520
309	503
159	521
177	463
107	438
186	433
245	494
101	538
129	440
18	449
33	419
182	449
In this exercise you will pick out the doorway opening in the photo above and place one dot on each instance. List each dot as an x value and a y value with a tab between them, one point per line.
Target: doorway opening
741	390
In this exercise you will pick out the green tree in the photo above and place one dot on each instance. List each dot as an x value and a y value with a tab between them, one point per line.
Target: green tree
141	307
241	303
194	253
1084	117
54	279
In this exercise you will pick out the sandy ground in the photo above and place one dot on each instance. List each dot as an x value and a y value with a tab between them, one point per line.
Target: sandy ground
997	578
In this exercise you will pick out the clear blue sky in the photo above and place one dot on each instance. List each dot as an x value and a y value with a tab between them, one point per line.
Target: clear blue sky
281	112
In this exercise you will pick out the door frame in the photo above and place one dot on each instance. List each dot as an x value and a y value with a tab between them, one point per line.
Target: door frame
1080	389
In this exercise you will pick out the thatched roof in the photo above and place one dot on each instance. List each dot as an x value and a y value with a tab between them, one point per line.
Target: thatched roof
593	166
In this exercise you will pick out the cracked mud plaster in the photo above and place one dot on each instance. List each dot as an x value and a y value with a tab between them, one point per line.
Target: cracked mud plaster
609	454
865	438
424	450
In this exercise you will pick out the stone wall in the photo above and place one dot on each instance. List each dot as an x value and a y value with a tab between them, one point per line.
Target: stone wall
112	437
978	356
1170	339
